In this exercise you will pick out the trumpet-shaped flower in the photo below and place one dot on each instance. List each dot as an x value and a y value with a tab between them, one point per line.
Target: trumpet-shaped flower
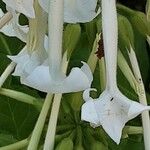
22	6
112	109
34	72
33	63
13	28
76	10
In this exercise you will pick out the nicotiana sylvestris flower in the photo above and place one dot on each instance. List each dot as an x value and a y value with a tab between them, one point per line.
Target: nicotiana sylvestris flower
112	109
22	6
34	69
76	10
13	28
54	80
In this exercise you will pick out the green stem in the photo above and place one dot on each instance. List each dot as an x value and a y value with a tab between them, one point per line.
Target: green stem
33	144
16	146
7	72
124	67
22	97
50	136
142	97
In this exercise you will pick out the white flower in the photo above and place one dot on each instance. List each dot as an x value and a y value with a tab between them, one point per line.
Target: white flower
34	72
111	111
13	28
76	10
37	70
22	6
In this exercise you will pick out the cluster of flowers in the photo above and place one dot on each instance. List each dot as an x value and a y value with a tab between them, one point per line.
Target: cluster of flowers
40	67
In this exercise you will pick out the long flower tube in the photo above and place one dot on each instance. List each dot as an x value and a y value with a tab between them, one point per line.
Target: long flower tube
112	106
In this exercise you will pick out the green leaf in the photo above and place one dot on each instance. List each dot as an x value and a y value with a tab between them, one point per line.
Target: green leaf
16	118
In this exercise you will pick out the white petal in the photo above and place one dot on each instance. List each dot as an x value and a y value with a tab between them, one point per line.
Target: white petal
111	117
25	63
89	114
86	69
76	10
22	6
136	109
113	127
19	59
76	81
86	94
79	10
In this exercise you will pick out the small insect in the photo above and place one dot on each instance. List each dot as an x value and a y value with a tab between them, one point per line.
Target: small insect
112	99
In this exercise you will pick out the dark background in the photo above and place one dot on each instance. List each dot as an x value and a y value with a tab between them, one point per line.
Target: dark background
135	4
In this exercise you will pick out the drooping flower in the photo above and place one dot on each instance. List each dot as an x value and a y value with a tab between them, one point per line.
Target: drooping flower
112	109
34	68
22	6
76	10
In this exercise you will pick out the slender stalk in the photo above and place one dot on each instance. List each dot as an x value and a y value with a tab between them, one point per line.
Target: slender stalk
55	27
50	136
142	97
124	67
22	97
16	146
110	33
7	72
33	144
5	19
